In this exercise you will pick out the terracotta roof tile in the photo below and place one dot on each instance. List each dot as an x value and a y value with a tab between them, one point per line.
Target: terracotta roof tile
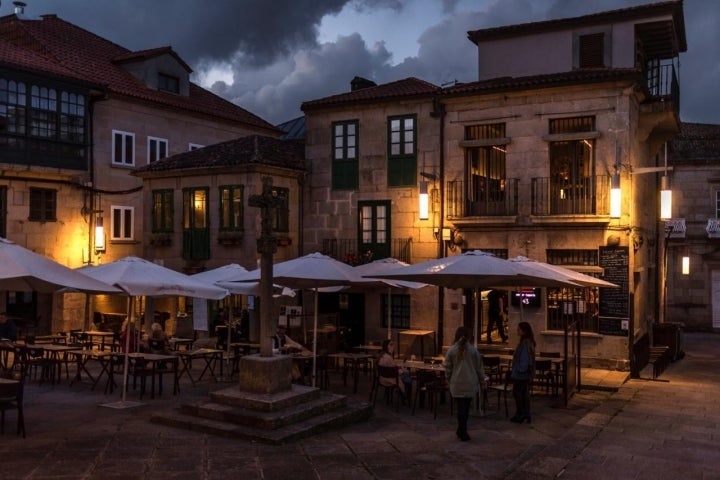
253	149
58	47
408	87
696	144
580	76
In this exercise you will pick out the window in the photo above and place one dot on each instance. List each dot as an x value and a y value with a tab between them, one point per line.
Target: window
402	156
43	205
196	231
43	112
281	222
574	304
486	170
122	223
345	155
591	50
157	149
162	211
231	207
572	168
168	83
374	228
13	102
399	310
72	117
123	145
3	211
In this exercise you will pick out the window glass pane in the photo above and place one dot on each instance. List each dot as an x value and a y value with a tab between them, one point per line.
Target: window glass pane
199	209
127	223
117	223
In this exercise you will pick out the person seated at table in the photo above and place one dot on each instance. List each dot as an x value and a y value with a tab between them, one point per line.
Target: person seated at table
8	330
387	359
283	343
157	341
129	345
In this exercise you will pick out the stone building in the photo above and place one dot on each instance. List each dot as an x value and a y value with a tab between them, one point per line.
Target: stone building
78	113
518	163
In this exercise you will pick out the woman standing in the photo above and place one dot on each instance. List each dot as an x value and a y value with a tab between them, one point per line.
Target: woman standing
465	373
523	370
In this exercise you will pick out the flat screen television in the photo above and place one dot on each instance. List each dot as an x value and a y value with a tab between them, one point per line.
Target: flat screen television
530	297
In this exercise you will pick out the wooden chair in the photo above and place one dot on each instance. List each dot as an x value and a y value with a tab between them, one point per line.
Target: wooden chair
493	369
391	385
502	389
433	387
544	376
11	393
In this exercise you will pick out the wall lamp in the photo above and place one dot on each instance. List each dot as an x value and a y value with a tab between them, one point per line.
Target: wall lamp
665	190
424	206
99	235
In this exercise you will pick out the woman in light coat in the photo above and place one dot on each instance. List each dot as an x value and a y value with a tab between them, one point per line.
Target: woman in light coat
465	373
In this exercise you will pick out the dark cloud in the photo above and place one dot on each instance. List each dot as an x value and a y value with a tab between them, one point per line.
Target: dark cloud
277	61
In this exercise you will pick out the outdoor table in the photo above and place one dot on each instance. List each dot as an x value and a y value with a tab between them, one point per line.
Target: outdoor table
155	359
186	343
249	347
352	362
416	333
368	348
100	336
82	356
209	355
56	354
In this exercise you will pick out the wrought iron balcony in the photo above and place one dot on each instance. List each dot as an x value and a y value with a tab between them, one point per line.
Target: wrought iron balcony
346	250
499	200
582	196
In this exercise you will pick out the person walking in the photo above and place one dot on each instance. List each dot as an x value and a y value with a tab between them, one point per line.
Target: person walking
497	309
465	373
523	370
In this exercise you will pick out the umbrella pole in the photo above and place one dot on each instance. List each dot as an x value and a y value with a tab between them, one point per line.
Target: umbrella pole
126	364
315	323
389	313
477	307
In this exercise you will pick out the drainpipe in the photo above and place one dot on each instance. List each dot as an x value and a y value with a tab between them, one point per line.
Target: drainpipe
439	113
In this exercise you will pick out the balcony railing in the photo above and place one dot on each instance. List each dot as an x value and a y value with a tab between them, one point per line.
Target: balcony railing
344	248
492	202
584	196
662	84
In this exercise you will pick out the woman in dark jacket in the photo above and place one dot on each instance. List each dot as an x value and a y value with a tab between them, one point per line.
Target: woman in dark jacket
523	370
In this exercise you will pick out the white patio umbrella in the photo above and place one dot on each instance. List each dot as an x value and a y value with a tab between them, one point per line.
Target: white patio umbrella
475	270
227	277
311	272
367	273
138	277
576	277
24	270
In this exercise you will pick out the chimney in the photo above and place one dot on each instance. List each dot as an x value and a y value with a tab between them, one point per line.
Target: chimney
358	83
19	8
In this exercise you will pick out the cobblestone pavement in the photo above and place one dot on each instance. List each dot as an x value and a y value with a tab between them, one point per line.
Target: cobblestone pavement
647	429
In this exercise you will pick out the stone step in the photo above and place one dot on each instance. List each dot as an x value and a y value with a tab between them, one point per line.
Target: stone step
265	419
350	413
235	397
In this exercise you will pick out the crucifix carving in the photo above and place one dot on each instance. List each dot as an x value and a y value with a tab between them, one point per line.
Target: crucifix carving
266	247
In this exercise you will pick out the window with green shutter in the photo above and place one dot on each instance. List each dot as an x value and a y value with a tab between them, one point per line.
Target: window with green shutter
345	155
162	211
402	151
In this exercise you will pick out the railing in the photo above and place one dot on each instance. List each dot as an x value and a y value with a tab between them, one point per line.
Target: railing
492	202
584	196
662	84
344	248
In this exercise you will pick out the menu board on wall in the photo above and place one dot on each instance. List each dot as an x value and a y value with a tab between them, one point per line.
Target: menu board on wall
614	302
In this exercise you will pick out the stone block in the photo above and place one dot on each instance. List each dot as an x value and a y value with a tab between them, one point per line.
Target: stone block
266	375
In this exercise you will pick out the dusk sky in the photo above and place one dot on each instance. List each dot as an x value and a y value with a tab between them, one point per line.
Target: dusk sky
269	56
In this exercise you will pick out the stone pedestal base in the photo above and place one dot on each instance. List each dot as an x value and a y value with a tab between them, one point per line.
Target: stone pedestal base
267	375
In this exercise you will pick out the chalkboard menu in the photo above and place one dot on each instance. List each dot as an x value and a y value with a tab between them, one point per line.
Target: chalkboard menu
612	326
614	302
